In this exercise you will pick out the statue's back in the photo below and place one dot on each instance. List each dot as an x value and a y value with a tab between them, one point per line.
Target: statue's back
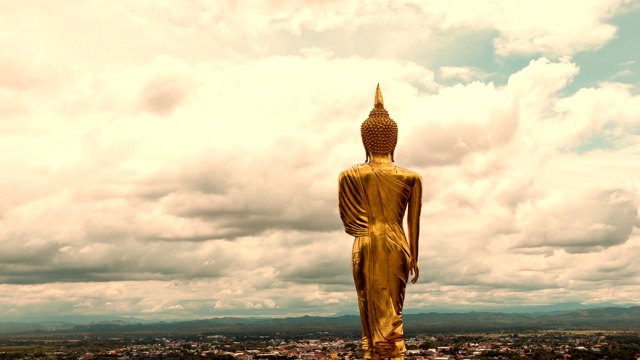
373	199
388	191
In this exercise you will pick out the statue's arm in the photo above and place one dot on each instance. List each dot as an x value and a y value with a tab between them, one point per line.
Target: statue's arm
413	220
341	199
348	203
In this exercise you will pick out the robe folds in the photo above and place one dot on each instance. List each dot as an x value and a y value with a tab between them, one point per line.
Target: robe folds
372	204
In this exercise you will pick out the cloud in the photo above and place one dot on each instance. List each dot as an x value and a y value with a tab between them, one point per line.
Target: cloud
172	198
554	29
525	214
202	31
184	163
454	131
623	73
491	116
463	73
583	222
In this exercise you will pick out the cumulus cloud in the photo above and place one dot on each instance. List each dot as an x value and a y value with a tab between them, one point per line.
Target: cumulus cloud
581	222
452	131
531	212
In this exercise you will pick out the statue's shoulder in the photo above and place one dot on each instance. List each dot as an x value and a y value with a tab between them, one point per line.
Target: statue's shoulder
411	177
408	173
354	169
354	172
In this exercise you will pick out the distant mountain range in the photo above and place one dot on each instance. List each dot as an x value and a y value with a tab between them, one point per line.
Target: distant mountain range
609	318
552	308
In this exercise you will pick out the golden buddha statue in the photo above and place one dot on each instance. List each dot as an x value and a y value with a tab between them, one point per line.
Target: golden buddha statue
373	198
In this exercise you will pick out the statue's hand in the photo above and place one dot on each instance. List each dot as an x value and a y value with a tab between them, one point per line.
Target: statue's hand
415	271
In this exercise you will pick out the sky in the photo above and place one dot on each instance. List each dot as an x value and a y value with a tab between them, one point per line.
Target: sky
179	160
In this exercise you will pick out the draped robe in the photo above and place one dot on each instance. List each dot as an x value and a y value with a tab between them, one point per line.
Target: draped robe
372	204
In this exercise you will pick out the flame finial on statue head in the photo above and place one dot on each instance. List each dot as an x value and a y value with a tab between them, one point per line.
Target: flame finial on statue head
378	101
379	132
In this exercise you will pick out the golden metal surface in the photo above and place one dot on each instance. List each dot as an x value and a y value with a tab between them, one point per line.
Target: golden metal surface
377	101
379	132
373	199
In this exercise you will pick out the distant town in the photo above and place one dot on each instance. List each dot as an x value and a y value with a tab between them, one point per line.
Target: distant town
603	333
321	346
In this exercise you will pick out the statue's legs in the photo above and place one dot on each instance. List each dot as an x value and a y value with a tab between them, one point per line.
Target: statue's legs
360	281
380	299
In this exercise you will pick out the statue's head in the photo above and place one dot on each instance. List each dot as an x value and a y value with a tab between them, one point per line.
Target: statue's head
379	132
